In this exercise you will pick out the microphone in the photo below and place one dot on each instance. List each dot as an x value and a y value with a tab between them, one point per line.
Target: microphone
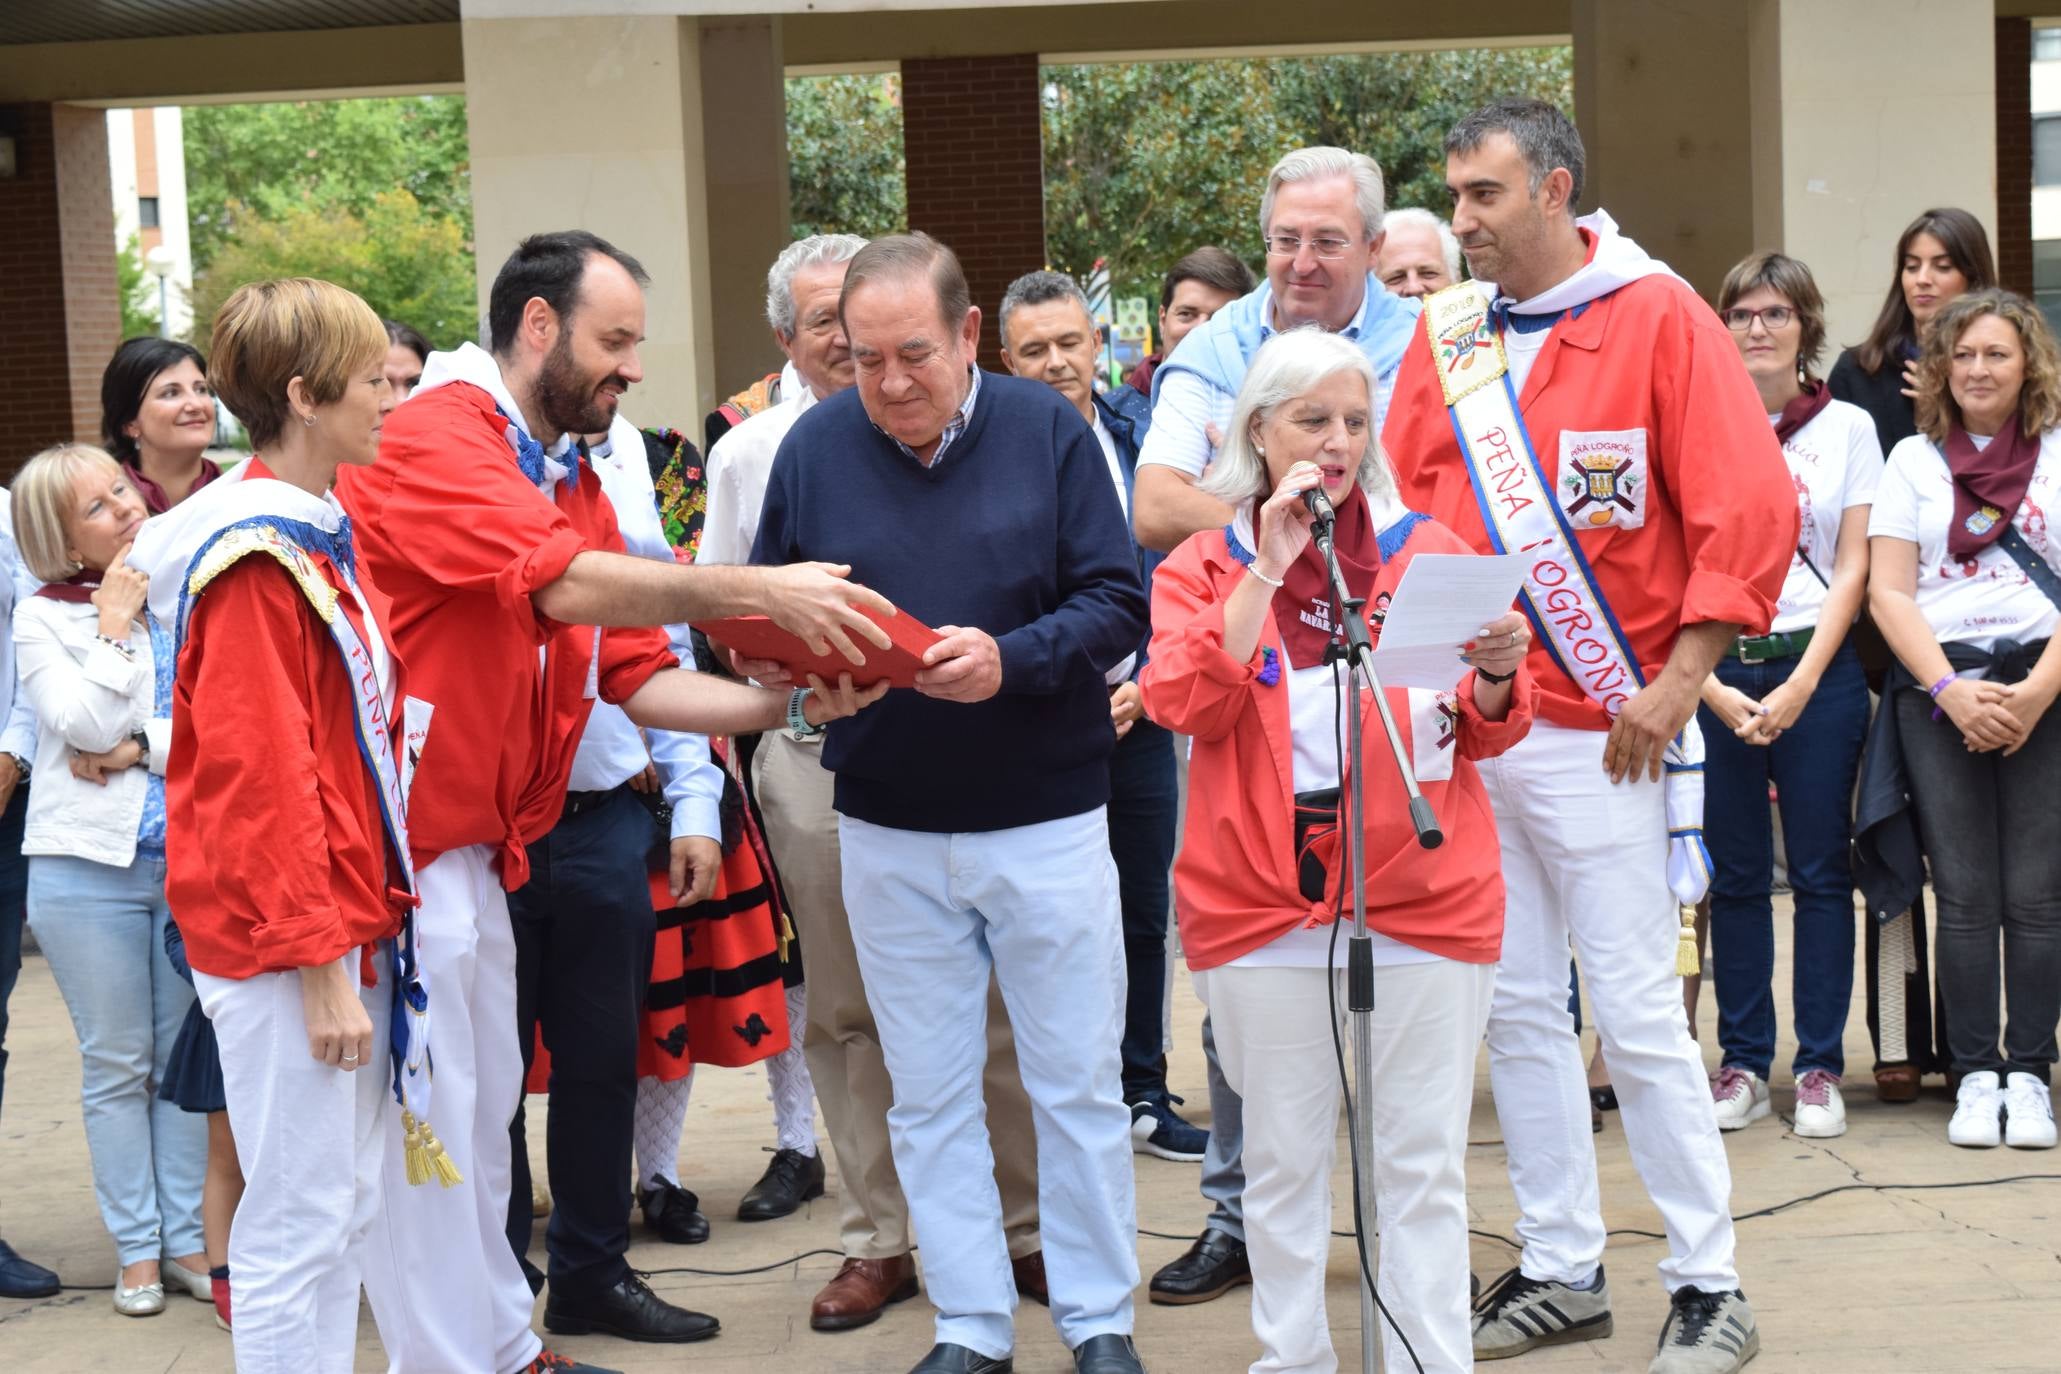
1319	504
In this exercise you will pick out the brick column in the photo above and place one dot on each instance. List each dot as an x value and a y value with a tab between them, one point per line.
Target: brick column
57	278
2014	154
976	170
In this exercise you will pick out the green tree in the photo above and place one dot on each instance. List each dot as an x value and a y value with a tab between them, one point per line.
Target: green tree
844	155
407	262
261	163
137	291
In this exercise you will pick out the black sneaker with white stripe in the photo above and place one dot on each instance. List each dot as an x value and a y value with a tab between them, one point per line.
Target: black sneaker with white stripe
1517	1314
1706	1333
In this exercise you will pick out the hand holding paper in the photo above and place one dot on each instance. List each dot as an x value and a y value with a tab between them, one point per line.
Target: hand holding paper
1443	603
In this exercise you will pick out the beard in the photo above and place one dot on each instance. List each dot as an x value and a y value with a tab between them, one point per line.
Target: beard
571	403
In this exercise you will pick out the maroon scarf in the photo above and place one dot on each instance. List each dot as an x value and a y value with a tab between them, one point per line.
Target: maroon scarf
154	499
1989	484
1302	603
1801	410
79	587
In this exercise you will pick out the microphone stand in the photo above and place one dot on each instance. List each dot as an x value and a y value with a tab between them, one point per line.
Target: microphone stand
1355	646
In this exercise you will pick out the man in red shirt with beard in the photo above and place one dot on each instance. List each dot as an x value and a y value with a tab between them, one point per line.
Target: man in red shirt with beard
516	609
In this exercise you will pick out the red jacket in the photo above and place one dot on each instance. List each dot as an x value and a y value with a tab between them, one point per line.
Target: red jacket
276	858
1719	514
461	541
1235	885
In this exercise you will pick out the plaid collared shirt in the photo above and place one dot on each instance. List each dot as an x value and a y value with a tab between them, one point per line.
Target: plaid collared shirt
954	427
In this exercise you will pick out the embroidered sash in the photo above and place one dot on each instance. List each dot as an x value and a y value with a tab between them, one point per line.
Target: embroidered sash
1561	595
285	542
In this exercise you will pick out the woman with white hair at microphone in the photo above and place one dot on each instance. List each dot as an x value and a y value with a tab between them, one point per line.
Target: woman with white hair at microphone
1241	620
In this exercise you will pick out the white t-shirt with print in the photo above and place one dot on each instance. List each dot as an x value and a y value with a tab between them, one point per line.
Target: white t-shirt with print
1980	600
1835	463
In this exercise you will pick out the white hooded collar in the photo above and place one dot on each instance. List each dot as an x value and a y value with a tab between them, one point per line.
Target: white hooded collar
1616	262
470	363
167	543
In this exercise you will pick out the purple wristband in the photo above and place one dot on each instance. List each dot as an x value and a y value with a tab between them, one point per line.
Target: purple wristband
1940	686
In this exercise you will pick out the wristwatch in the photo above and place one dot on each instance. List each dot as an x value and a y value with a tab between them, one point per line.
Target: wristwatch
21	767
142	742
798	726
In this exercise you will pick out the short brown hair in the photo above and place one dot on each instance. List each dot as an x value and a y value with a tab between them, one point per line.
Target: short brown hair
907	255
1792	281
42	503
1217	268
269	332
2039	399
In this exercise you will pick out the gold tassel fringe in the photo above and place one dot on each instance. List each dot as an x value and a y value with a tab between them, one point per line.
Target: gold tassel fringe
424	1154
1686	963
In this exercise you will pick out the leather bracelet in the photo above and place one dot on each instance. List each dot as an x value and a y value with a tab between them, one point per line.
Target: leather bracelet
1495	679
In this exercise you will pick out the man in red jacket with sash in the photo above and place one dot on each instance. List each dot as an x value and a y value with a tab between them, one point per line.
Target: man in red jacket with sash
1579	406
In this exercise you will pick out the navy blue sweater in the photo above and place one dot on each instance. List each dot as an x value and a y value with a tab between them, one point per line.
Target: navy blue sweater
1016	531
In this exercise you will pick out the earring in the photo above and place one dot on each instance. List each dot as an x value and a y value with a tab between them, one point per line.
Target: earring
308	420
1260	449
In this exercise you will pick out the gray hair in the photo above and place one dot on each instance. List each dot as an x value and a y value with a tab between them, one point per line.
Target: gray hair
42	503
813	251
1310	164
1448	246
1545	137
1286	366
1041	288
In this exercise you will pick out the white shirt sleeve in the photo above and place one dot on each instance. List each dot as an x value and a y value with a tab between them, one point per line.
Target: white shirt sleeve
1863	465
1895	513
723	538
1181	414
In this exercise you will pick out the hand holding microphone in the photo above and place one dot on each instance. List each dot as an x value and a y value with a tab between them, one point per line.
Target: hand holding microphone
1283	523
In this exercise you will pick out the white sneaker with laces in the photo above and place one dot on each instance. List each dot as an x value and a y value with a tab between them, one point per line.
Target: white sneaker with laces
2028	1113
1978	1113
1820	1110
1741	1098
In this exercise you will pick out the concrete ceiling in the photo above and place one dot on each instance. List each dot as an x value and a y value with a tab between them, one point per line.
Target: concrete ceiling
79	21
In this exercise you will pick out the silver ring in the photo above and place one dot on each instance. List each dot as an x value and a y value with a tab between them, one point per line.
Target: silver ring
350	1059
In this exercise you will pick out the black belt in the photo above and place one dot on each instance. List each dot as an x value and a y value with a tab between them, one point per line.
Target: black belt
576	802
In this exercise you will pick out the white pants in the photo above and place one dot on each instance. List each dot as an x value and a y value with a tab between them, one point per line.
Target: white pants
1587	858
445	1288
1273	1036
310	1139
932	915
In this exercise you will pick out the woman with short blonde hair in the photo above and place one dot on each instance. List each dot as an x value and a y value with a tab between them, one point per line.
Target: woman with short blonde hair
1965	581
97	668
290	865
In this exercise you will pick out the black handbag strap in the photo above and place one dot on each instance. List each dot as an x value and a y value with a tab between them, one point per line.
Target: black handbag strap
2035	567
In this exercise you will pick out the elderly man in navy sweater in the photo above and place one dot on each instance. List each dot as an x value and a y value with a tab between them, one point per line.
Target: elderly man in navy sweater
972	810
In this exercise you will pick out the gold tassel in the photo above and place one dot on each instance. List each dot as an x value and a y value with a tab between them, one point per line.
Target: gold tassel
1686	962
411	1149
439	1163
786	937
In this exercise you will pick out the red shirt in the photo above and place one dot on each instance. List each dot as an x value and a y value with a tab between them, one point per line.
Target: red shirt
462	541
1719	511
276	856
1235	885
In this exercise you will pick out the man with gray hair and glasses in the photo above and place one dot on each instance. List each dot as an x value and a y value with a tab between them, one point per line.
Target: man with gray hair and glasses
841	1044
1321	220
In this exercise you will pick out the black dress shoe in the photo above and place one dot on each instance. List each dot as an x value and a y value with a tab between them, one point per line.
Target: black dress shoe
1213	1266
789	1181
675	1213
629	1310
1107	1354
21	1279
945	1358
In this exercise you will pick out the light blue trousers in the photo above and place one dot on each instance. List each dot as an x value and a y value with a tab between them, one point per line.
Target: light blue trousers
931	914
103	930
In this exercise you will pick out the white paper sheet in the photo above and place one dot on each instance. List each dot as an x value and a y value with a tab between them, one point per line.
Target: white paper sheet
1443	601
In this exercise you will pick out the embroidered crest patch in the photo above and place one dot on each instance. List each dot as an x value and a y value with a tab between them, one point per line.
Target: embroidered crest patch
1602	479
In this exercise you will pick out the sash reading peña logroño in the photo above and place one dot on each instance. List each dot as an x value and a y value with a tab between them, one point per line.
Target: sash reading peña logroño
1560	595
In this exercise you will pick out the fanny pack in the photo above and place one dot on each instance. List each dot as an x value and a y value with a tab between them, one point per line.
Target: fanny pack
1316	832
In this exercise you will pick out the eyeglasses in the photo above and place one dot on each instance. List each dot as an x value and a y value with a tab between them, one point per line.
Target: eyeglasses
1774	317
1289	246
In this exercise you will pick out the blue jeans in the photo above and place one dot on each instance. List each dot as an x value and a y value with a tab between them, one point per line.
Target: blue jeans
1143	800
14	887
1813	766
103	930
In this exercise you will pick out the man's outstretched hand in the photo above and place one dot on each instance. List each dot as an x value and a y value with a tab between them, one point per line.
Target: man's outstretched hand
817	603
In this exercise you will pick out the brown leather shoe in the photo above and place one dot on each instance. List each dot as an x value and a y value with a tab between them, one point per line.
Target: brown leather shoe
861	1290
1896	1083
1030	1277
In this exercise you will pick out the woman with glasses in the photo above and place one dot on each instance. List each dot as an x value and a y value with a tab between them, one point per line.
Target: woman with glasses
1790	707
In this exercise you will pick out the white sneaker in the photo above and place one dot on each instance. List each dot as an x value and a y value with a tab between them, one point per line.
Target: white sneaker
1820	1110
2028	1113
1741	1098
1978	1113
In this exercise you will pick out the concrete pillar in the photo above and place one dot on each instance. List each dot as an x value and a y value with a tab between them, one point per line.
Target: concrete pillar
597	123
57	278
973	140
744	118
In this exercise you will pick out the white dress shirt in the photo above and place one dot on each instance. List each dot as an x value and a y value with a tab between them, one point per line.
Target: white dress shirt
739	466
613	750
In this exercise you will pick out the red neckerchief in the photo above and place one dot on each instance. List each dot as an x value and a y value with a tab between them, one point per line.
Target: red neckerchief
1989	484
1302	603
1801	410
79	587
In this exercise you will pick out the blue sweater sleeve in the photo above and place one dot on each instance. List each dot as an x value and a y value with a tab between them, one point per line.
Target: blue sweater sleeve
1102	613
